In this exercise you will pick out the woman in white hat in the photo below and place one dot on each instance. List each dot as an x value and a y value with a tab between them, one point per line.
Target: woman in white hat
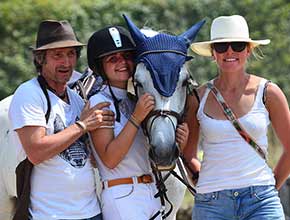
232	117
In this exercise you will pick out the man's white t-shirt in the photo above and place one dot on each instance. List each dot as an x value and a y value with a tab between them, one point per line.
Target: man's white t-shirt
62	187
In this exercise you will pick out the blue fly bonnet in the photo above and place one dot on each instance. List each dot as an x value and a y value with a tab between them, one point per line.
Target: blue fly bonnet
163	55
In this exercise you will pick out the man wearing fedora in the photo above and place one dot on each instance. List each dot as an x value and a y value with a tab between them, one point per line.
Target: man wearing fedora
232	118
51	122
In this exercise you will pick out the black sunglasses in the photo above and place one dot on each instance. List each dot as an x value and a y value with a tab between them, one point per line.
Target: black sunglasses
224	46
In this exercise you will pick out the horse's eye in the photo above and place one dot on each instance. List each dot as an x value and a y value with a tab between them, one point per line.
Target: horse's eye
137	84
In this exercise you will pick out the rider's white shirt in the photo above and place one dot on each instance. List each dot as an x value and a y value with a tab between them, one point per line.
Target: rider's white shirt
63	186
127	201
136	161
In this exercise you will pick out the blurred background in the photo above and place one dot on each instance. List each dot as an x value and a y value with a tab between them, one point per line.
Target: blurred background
19	20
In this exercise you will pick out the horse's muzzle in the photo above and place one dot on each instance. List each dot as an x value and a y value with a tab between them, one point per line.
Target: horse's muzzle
164	158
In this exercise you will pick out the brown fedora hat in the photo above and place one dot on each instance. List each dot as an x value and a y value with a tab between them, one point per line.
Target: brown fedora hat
55	34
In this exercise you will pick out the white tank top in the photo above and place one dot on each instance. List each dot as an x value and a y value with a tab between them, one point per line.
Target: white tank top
228	161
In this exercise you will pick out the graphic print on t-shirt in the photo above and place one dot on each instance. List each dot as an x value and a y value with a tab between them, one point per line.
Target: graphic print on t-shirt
77	153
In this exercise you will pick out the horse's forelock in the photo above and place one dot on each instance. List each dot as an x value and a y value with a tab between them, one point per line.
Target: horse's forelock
148	32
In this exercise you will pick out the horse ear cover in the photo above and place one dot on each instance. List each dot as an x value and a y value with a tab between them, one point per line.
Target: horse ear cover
164	67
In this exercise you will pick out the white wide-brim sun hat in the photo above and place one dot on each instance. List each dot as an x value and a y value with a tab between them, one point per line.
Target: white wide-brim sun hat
227	29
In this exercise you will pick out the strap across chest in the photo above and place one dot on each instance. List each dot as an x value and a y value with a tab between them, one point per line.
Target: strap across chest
233	119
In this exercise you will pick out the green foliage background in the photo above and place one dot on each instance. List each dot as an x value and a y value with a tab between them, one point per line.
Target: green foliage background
19	21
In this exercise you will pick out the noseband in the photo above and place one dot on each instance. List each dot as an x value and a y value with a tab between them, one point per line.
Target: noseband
160	113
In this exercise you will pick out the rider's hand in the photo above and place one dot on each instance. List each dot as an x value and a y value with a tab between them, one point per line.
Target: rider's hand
97	116
144	105
182	132
192	169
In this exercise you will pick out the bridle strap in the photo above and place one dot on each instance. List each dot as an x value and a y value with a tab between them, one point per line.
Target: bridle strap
160	113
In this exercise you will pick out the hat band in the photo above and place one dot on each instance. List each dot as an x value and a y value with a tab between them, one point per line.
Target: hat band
232	39
53	39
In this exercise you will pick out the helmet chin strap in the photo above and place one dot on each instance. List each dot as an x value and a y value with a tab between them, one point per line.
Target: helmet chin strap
116	103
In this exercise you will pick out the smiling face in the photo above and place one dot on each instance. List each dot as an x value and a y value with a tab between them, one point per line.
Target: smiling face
58	65
230	60
119	67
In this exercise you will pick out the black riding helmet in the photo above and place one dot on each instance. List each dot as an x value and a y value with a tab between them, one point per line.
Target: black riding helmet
106	41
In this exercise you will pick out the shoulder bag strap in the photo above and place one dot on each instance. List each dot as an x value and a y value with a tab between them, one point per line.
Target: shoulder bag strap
231	117
24	170
43	87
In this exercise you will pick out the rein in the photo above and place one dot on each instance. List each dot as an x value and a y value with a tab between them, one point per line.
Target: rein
160	181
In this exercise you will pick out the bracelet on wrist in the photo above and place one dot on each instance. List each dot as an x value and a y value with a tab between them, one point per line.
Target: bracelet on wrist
135	119
133	122
81	125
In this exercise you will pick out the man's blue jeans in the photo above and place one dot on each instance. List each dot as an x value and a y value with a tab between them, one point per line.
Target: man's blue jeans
250	203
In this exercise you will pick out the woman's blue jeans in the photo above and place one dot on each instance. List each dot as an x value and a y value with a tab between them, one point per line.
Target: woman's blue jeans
250	203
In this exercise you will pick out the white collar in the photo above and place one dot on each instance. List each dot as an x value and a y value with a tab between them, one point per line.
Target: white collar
119	93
